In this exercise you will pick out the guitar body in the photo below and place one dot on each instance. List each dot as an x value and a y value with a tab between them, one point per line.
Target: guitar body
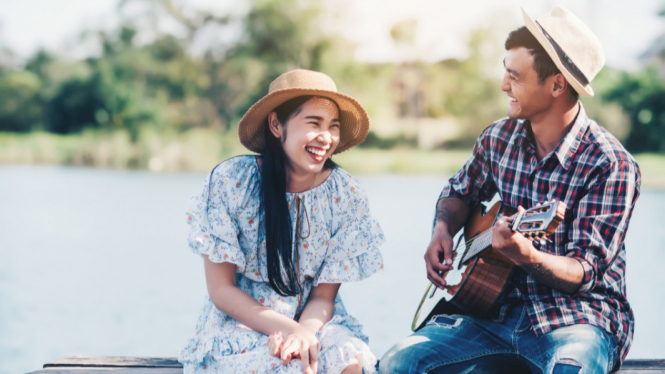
472	286
479	274
483	277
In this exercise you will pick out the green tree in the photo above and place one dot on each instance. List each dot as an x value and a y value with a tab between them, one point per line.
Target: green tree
20	107
642	96
277	36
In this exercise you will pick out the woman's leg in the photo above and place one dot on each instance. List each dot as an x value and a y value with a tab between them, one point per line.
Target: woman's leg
355	365
343	352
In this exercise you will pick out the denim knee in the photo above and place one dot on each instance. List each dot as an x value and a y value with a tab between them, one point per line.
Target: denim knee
581	348
403	356
567	366
394	360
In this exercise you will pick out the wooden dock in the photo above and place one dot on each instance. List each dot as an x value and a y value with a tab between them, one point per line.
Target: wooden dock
169	365
112	364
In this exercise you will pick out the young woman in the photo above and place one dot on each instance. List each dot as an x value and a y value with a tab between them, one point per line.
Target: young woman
279	233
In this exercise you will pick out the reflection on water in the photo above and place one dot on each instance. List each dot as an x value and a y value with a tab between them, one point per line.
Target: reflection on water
95	262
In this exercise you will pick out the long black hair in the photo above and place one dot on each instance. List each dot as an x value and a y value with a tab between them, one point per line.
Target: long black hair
282	272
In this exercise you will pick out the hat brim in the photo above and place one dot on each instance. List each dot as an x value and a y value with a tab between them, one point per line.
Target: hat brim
583	90
354	121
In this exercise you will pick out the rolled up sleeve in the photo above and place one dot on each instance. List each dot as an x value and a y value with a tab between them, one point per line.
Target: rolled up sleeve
601	219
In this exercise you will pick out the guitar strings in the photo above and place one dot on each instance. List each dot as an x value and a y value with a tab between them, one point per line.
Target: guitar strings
469	242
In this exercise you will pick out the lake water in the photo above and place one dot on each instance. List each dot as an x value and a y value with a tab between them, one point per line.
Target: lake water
95	262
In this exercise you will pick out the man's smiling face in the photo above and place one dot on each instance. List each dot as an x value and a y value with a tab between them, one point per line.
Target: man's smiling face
527	98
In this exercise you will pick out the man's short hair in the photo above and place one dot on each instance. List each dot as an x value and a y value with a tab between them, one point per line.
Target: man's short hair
542	63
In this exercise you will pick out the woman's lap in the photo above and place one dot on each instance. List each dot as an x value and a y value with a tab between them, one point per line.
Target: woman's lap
338	347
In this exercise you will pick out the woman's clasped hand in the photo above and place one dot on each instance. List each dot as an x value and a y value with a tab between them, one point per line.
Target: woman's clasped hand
297	344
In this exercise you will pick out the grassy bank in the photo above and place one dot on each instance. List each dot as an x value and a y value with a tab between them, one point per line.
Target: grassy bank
200	150
652	167
404	161
195	150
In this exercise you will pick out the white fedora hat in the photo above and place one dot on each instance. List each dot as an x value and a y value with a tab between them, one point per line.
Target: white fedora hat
574	49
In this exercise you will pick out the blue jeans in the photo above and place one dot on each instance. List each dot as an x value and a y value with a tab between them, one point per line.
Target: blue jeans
466	344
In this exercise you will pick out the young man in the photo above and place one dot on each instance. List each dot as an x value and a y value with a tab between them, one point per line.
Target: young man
567	312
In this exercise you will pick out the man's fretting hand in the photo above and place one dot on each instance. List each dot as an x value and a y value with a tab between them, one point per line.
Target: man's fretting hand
511	243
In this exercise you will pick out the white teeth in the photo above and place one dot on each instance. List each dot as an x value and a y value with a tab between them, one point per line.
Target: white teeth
512	100
315	151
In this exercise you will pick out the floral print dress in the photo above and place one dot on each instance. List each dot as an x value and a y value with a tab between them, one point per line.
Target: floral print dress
342	246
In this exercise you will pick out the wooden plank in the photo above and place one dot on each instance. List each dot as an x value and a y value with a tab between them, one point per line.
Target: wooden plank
115	361
643	365
107	370
169	365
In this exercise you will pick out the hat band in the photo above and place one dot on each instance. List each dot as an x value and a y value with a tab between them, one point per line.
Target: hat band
565	60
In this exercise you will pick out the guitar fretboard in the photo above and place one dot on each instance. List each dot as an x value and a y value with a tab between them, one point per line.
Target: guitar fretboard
479	244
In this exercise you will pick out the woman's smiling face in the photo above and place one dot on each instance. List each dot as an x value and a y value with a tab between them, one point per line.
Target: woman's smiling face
310	136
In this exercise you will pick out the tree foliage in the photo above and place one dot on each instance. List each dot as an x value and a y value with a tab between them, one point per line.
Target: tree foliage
217	66
642	96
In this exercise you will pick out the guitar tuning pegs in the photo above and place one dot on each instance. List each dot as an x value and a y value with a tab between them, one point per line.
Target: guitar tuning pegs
543	242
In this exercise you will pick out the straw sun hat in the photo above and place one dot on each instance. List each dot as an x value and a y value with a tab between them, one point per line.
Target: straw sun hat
574	49
354	122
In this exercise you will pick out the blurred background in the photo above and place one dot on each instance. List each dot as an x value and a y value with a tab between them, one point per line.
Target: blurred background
111	112
161	85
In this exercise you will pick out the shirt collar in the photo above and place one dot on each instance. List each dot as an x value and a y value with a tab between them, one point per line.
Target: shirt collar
523	135
569	144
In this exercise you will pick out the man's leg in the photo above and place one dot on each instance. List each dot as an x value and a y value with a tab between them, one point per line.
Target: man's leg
491	364
455	344
570	350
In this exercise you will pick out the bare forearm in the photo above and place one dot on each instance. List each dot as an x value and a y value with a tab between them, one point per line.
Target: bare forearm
317	313
559	272
241	307
451	213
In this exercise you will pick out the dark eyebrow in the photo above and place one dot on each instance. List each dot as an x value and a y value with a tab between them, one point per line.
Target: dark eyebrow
320	118
511	71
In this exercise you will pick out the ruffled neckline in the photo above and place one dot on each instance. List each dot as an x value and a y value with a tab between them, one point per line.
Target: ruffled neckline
327	181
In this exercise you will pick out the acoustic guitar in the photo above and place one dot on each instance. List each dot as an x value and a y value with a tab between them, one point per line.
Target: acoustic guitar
479	274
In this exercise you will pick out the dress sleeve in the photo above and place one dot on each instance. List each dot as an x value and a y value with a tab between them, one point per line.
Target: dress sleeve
601	219
353	251
213	229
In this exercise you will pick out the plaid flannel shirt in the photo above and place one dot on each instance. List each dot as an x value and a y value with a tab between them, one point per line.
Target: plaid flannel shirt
599	181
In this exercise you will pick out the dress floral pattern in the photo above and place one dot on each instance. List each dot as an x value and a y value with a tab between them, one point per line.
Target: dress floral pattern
342	246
